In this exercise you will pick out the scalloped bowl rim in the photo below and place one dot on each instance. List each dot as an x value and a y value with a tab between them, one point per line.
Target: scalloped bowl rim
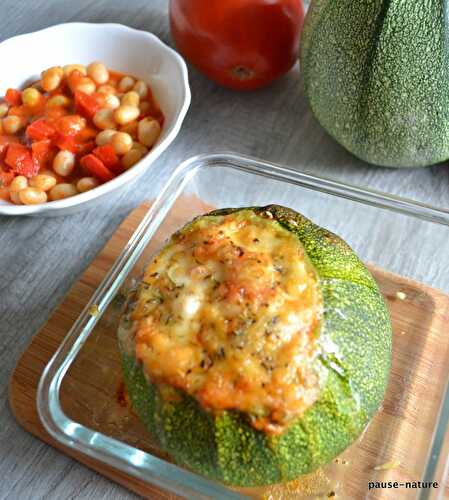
170	132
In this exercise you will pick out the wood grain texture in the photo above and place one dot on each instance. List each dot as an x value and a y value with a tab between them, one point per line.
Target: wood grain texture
88	391
41	258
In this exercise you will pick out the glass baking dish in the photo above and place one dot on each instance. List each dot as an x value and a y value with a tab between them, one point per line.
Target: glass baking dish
80	399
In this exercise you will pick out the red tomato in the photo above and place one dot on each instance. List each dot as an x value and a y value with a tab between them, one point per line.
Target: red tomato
40	130
241	44
6	177
43	152
5	141
95	167
87	134
13	97
109	157
87	105
54	113
18	158
70	125
67	142
84	148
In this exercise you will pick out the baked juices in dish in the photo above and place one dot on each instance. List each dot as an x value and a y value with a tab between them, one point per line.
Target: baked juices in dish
74	129
256	347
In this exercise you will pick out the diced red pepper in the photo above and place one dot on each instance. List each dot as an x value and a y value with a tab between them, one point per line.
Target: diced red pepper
84	148
18	158
40	130
6	177
96	167
43	152
70	124
53	113
5	140
13	97
86	105
73	144
87	134
109	157
66	142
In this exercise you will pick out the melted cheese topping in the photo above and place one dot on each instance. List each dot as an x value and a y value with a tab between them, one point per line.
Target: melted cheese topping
229	313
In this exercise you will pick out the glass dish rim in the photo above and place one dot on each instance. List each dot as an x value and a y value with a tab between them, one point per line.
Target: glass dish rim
143	465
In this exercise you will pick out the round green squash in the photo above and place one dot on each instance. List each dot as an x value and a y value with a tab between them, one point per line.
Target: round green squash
376	74
353	363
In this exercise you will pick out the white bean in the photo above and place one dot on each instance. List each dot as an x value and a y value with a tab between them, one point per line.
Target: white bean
32	196
61	191
126	114
141	88
15	198
68	68
13	124
131	158
86	85
148	131
111	101
126	83
87	183
64	163
43	182
104	119
59	100
51	78
18	183
31	97
140	147
104	137
121	142
98	72
131	98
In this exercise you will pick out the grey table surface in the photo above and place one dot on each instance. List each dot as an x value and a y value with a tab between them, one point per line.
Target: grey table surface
40	258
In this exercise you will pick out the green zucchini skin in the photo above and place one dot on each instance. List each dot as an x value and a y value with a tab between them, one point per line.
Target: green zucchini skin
376	75
354	363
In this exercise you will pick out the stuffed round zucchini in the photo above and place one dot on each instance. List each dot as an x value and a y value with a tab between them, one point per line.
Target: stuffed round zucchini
257	346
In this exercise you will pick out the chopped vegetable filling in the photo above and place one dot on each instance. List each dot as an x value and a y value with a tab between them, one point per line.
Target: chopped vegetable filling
229	313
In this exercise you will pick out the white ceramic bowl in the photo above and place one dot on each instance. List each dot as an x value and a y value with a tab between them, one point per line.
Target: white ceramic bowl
120	48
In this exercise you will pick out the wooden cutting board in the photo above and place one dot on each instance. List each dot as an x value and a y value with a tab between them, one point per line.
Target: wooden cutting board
399	433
